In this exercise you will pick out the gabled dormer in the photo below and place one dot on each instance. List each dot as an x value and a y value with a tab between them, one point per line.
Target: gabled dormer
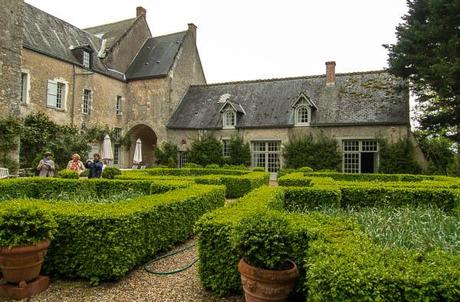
303	107
230	112
84	55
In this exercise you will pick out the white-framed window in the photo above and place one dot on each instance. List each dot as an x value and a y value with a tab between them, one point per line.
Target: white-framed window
360	156
116	154
229	118
56	94
86	59
302	115
118	105
225	144
87	100
25	86
266	154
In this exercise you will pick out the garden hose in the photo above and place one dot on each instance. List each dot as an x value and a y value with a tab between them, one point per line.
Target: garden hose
147	269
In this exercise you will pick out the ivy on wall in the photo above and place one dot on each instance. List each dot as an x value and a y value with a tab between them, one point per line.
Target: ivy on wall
10	131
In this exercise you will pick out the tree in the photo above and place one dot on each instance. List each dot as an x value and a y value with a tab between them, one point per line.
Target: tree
397	157
438	151
239	152
427	53
167	155
206	151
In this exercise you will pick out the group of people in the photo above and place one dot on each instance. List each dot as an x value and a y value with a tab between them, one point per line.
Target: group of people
46	166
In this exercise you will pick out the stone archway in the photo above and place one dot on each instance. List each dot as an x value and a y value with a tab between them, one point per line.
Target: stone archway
149	141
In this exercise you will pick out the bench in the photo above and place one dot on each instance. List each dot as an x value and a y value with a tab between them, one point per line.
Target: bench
4	173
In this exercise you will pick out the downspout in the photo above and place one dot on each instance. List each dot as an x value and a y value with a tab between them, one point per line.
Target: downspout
72	107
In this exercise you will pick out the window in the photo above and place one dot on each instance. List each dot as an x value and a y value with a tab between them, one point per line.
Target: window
229	118
182	159
24	87
86	59
118	106
360	156
225	143
87	95
117	133
266	154
302	115
56	95
116	154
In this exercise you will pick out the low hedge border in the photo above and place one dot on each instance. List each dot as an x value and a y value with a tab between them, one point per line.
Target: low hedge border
370	177
337	260
194	171
236	186
100	242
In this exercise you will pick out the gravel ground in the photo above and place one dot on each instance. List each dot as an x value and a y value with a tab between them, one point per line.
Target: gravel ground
140	285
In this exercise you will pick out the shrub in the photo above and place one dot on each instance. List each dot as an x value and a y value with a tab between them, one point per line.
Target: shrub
305	169
192	166
21	225
439	153
397	157
233	167
206	151
166	155
67	173
236	186
110	172
258	169
212	166
263	240
239	152
318	154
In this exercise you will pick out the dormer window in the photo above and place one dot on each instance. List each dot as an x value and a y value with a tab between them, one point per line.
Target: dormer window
86	59
229	118
303	107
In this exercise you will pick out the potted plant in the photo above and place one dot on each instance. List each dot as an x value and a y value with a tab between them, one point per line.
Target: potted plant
25	234
267	274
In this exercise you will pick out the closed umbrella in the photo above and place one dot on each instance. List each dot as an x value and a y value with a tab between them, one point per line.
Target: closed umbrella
107	153
138	152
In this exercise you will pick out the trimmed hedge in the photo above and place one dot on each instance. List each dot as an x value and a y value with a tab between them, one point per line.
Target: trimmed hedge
99	242
296	179
370	177
236	186
194	171
305	199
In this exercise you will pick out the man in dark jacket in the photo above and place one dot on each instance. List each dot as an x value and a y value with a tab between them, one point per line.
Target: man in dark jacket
95	166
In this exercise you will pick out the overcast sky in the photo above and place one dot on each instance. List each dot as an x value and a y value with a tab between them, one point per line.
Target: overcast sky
255	39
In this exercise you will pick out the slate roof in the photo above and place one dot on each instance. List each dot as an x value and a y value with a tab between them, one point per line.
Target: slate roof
112	32
54	37
156	56
363	98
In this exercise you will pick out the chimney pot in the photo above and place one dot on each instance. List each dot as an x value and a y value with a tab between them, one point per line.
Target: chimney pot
140	11
330	73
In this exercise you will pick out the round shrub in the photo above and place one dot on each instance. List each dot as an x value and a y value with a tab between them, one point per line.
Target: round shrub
67	173
212	166
264	240
258	169
110	172
25	226
305	169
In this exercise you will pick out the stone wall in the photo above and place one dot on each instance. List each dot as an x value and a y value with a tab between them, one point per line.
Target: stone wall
11	15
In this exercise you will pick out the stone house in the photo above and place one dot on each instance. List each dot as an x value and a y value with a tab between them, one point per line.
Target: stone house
154	88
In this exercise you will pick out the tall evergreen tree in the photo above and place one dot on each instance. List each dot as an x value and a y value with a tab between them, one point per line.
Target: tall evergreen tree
427	53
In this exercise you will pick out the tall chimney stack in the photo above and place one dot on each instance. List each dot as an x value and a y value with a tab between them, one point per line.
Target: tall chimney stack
192	29
330	73
140	11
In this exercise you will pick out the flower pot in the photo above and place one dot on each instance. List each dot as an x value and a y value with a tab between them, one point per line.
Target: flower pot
261	285
22	263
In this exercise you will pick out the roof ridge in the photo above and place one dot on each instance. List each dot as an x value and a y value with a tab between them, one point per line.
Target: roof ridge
162	36
288	78
112	23
34	7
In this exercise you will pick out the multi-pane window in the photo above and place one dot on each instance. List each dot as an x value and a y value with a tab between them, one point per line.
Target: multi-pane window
182	158
87	95
24	85
118	107
116	154
266	154
302	115
117	133
360	156
55	95
225	143
229	119
86	59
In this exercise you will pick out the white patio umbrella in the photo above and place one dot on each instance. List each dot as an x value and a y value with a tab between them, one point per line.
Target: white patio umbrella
107	153
138	152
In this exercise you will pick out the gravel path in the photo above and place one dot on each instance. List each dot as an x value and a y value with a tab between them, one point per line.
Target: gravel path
140	285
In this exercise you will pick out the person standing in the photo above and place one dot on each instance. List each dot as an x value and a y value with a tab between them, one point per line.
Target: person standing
46	166
76	165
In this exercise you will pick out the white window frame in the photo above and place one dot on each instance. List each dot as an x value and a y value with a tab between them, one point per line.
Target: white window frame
119	105
87	102
354	156
86	59
25	87
302	104
117	152
225	143
57	95
226	124
268	154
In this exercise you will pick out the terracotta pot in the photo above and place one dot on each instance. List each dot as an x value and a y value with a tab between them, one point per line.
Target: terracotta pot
267	285
22	263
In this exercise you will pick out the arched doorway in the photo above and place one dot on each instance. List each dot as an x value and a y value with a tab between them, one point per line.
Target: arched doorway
149	141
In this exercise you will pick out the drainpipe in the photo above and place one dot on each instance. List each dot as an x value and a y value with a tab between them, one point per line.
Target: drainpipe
72	107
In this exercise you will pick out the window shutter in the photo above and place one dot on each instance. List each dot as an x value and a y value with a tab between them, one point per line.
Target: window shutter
51	99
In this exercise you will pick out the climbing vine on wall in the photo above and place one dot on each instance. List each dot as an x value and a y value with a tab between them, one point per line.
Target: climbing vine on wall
10	130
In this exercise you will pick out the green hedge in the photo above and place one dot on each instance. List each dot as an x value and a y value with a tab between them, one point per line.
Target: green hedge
296	179
370	177
305	199
99	241
236	186
194	171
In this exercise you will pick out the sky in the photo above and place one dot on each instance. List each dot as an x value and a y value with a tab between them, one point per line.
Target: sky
255	39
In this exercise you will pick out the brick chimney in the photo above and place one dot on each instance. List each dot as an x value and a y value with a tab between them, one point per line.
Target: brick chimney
330	73
140	11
